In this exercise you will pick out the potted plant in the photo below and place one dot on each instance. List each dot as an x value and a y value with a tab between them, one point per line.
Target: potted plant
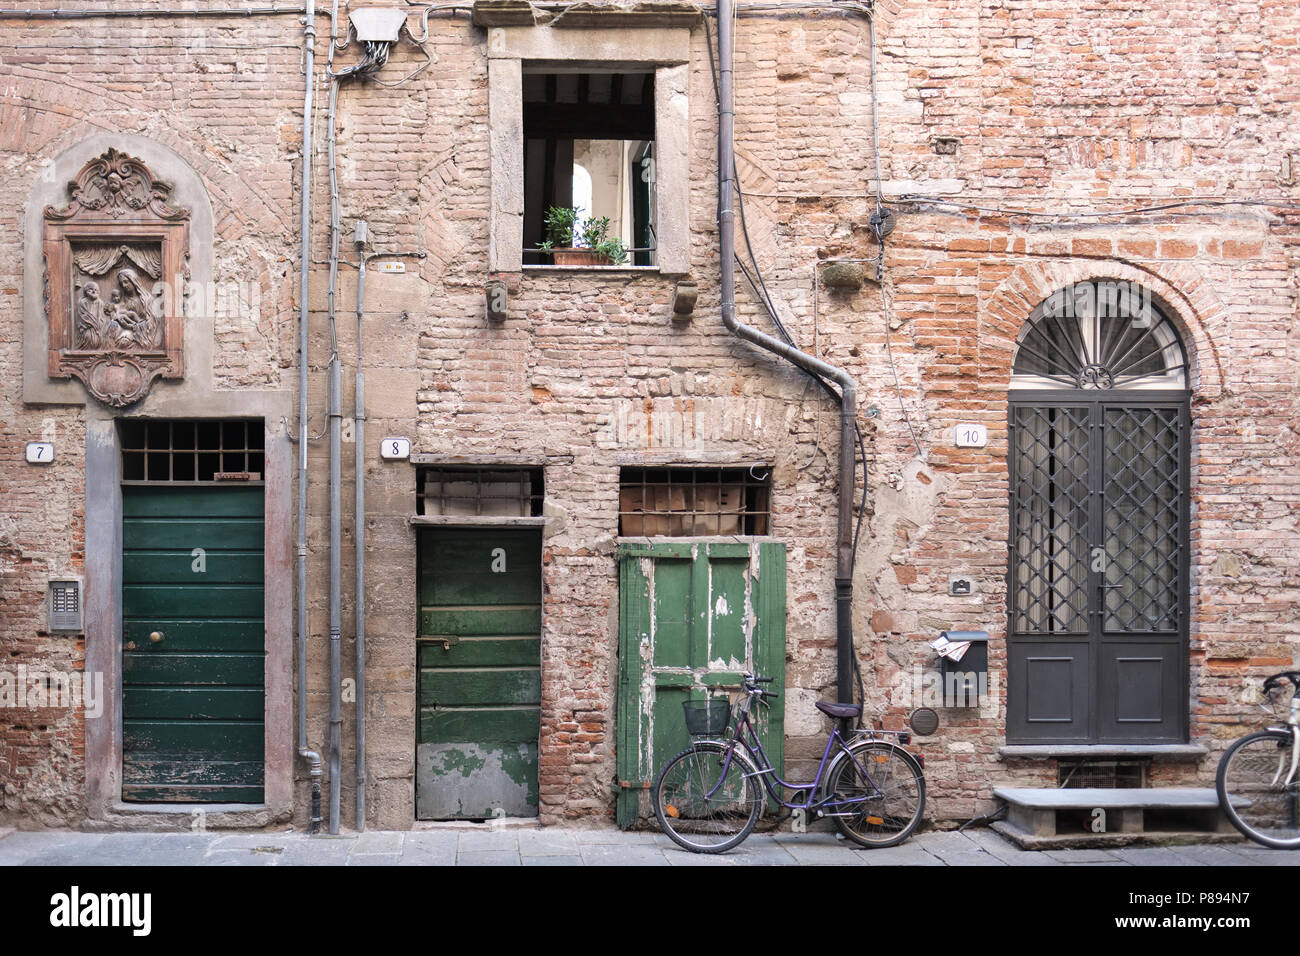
574	242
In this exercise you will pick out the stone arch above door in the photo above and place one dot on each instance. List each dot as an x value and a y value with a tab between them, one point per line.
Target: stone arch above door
1192	307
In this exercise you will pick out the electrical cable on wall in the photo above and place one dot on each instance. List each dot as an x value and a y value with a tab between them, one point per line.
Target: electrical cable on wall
1066	216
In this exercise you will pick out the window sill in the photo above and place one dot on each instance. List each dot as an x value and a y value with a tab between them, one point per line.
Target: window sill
629	270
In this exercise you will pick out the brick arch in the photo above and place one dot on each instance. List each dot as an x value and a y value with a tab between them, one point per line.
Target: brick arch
1187	298
75	113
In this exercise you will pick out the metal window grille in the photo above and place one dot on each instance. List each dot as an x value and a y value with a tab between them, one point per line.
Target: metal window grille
1099	335
694	501
1108	774
493	492
192	452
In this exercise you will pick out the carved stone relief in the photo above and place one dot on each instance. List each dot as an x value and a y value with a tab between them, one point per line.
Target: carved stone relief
115	260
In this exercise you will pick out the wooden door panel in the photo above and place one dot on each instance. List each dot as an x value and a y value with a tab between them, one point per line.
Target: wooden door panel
193	702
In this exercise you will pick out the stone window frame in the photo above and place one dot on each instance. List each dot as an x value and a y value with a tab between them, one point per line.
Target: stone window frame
665	50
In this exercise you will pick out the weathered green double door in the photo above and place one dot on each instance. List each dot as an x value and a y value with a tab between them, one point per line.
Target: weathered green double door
693	617
193	640
479	660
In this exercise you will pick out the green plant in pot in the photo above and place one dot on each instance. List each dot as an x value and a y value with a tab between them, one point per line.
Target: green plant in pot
574	242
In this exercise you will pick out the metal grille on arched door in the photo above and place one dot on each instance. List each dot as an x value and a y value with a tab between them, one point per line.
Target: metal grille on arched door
1097	574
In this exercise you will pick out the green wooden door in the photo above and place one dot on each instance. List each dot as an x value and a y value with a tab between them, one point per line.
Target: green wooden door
693	617
193	701
480	682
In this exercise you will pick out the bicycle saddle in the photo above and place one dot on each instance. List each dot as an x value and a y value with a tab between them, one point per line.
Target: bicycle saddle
839	710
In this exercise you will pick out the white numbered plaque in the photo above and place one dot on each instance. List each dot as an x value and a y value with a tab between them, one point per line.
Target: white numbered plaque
969	435
395	449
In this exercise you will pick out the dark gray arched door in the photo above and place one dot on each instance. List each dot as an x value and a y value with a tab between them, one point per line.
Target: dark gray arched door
1097	573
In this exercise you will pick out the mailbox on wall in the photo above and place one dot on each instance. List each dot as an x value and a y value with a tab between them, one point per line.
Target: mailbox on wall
965	668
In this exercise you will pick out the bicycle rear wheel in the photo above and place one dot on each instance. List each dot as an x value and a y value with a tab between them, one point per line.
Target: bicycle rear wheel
876	794
707	801
1253	791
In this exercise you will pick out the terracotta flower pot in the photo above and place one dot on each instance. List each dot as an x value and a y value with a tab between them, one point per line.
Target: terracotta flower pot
578	257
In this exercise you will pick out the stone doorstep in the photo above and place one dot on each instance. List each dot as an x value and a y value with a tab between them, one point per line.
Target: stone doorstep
1073	841
1118	798
1032	815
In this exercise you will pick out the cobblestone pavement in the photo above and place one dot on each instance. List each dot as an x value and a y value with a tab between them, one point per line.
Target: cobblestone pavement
588	846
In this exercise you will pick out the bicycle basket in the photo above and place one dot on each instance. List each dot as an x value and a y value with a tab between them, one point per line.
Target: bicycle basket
707	718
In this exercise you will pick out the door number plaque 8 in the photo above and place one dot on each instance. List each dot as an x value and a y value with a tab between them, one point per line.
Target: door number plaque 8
395	449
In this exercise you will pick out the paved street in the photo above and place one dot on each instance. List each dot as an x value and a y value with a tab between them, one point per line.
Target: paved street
589	846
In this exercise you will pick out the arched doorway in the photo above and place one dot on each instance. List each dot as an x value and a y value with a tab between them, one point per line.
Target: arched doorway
1097	580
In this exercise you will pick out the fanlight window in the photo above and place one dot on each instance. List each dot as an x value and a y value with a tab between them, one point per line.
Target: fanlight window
1099	335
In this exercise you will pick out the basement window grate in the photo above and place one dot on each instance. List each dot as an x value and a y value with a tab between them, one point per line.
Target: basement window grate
192	452
1106	774
490	492
687	502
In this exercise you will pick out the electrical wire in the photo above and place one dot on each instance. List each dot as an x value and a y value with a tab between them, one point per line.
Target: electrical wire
1139	210
898	385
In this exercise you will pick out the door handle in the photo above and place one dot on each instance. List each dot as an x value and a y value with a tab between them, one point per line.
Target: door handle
156	636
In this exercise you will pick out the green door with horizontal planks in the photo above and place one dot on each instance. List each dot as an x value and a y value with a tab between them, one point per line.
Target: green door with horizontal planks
193	644
480	682
693	617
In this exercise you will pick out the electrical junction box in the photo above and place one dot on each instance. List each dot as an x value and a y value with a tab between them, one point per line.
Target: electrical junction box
65	606
377	24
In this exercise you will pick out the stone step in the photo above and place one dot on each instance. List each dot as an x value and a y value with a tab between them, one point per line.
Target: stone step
1044	817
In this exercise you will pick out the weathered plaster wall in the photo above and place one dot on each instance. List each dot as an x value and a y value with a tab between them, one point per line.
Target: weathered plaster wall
1055	107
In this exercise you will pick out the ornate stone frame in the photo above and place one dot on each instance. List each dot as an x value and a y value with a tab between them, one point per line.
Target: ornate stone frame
115	199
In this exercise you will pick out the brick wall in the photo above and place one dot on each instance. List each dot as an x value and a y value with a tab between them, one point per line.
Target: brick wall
1055	106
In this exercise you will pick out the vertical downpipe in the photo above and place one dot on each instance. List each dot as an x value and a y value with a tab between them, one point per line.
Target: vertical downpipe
809	363
304	751
359	539
336	543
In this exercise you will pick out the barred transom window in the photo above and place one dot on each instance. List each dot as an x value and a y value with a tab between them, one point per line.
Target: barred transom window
1100	334
694	501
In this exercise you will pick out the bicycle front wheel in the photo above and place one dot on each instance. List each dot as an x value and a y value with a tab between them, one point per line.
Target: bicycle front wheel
1254	792
707	799
876	794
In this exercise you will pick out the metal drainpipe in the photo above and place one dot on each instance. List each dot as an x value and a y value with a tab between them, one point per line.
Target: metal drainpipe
810	363
304	751
335	489
359	534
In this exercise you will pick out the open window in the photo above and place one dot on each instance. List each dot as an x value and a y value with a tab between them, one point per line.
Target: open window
590	97
589	146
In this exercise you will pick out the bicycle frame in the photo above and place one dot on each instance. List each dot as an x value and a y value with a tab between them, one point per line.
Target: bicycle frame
745	735
1293	728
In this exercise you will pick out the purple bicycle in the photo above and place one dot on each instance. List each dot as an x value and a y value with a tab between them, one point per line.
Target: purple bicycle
708	800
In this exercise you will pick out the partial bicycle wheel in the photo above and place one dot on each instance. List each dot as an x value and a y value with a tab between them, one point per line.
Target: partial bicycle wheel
706	802
878	794
1254	793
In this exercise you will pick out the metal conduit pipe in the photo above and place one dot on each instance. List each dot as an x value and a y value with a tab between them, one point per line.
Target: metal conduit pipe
809	363
376	54
304	750
359	533
133	13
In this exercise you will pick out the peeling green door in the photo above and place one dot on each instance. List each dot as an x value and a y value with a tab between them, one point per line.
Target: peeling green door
193	644
479	659
693	616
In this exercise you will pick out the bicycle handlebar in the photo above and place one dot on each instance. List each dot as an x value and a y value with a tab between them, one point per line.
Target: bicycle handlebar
1292	676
